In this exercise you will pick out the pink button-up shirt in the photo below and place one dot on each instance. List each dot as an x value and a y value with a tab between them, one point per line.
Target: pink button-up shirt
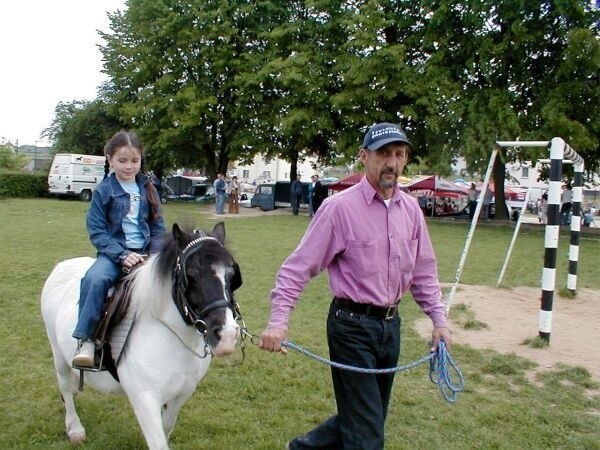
373	254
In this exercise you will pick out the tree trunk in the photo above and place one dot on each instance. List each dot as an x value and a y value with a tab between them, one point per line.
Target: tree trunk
498	173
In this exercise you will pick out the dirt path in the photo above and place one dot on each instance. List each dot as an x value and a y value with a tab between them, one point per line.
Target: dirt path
512	317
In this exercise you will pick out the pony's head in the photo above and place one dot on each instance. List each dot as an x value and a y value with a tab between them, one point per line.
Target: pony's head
205	275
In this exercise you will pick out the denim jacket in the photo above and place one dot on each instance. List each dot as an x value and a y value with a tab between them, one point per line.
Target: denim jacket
110	204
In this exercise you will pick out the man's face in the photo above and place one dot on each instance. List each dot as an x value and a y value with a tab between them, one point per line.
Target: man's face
384	166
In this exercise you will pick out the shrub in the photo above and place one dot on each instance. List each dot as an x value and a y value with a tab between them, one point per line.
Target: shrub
24	185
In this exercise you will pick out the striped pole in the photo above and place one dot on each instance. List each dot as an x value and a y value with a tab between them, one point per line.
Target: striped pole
575	227
558	150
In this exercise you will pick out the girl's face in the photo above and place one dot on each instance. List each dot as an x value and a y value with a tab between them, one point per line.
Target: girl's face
126	162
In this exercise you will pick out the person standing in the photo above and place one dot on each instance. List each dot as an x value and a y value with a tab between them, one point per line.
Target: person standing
220	186
486	210
319	194
543	209
296	195
311	193
125	224
566	202
472	201
373	240
234	198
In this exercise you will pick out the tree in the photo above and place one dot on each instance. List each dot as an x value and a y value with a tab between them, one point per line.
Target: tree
10	160
506	57
172	69
81	127
288	92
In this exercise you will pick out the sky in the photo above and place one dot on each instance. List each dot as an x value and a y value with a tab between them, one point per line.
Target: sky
48	54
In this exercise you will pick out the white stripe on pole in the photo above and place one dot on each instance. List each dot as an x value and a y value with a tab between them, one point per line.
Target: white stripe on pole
551	236
545	321
548	279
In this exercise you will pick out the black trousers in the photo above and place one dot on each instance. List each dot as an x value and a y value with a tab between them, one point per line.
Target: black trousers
362	399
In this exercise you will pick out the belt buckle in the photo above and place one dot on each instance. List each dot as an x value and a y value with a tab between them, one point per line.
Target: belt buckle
389	314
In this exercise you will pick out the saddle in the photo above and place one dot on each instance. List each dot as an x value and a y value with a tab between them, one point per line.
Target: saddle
114	311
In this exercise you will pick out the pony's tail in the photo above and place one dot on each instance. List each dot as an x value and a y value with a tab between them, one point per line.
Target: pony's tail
106	167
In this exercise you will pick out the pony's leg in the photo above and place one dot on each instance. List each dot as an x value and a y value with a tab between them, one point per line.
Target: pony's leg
148	412
170	411
68	382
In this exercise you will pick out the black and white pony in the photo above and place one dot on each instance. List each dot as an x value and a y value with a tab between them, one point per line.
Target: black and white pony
182	310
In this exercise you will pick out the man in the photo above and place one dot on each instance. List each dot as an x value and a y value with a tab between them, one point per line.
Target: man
486	210
220	186
311	192
566	202
296	195
472	201
373	240
319	194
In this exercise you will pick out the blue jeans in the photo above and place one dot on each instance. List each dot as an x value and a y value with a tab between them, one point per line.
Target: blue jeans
362	399
94	287
220	206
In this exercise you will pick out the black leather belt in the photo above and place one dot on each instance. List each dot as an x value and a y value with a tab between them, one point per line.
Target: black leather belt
380	312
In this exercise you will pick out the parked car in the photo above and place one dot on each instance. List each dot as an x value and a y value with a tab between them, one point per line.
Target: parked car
198	193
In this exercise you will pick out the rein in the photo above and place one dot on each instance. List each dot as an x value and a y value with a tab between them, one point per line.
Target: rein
440	362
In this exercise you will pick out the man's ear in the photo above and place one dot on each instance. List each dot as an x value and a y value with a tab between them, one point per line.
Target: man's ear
362	155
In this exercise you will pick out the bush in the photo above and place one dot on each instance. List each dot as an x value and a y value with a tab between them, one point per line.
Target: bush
24	185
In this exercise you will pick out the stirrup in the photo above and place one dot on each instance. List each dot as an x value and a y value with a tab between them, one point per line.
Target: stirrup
98	360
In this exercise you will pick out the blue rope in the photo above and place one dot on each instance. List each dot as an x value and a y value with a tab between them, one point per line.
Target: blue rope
439	363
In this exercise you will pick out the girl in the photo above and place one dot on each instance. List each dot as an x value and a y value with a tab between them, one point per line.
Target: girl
125	224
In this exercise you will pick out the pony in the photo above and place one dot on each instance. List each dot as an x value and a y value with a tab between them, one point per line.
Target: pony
182	313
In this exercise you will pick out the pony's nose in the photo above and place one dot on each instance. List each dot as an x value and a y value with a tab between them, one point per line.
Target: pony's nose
226	339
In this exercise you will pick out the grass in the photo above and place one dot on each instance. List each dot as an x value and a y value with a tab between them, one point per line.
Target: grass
268	399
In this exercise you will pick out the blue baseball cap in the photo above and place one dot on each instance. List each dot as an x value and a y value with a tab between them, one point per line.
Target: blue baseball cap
383	134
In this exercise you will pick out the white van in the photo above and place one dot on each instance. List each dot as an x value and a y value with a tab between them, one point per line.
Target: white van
75	175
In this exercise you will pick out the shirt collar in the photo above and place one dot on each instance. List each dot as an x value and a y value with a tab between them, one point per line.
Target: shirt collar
370	193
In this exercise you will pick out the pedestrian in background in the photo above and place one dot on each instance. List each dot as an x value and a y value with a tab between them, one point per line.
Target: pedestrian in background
566	202
296	195
486	210
373	240
472	201
234	202
220	186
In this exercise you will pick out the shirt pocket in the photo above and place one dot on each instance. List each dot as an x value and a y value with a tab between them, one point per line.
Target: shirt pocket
403	254
363	256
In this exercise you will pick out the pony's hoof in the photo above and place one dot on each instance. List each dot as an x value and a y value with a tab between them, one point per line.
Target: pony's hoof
76	437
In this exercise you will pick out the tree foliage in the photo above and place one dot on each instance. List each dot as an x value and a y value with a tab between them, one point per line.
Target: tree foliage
205	82
11	161
81	127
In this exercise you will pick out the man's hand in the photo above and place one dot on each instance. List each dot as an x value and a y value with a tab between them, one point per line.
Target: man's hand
271	338
440	333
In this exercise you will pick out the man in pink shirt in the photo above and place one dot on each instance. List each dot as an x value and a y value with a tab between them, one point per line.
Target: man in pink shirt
373	241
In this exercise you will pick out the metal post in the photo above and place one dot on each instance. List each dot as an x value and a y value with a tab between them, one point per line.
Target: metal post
465	251
558	150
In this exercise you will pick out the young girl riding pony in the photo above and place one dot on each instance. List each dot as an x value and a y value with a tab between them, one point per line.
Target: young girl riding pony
125	224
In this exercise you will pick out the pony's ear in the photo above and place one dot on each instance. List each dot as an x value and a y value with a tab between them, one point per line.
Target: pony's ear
219	232
179	236
236	279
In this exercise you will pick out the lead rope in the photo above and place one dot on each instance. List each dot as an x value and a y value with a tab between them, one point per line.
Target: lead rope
440	363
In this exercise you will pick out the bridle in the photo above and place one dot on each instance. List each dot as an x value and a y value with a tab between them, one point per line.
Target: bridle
180	284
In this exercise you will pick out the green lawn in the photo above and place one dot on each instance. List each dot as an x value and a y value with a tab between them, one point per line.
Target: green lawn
269	398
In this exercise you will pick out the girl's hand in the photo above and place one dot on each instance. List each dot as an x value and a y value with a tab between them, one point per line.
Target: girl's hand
132	260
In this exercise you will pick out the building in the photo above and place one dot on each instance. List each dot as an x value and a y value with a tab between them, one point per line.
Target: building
264	170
